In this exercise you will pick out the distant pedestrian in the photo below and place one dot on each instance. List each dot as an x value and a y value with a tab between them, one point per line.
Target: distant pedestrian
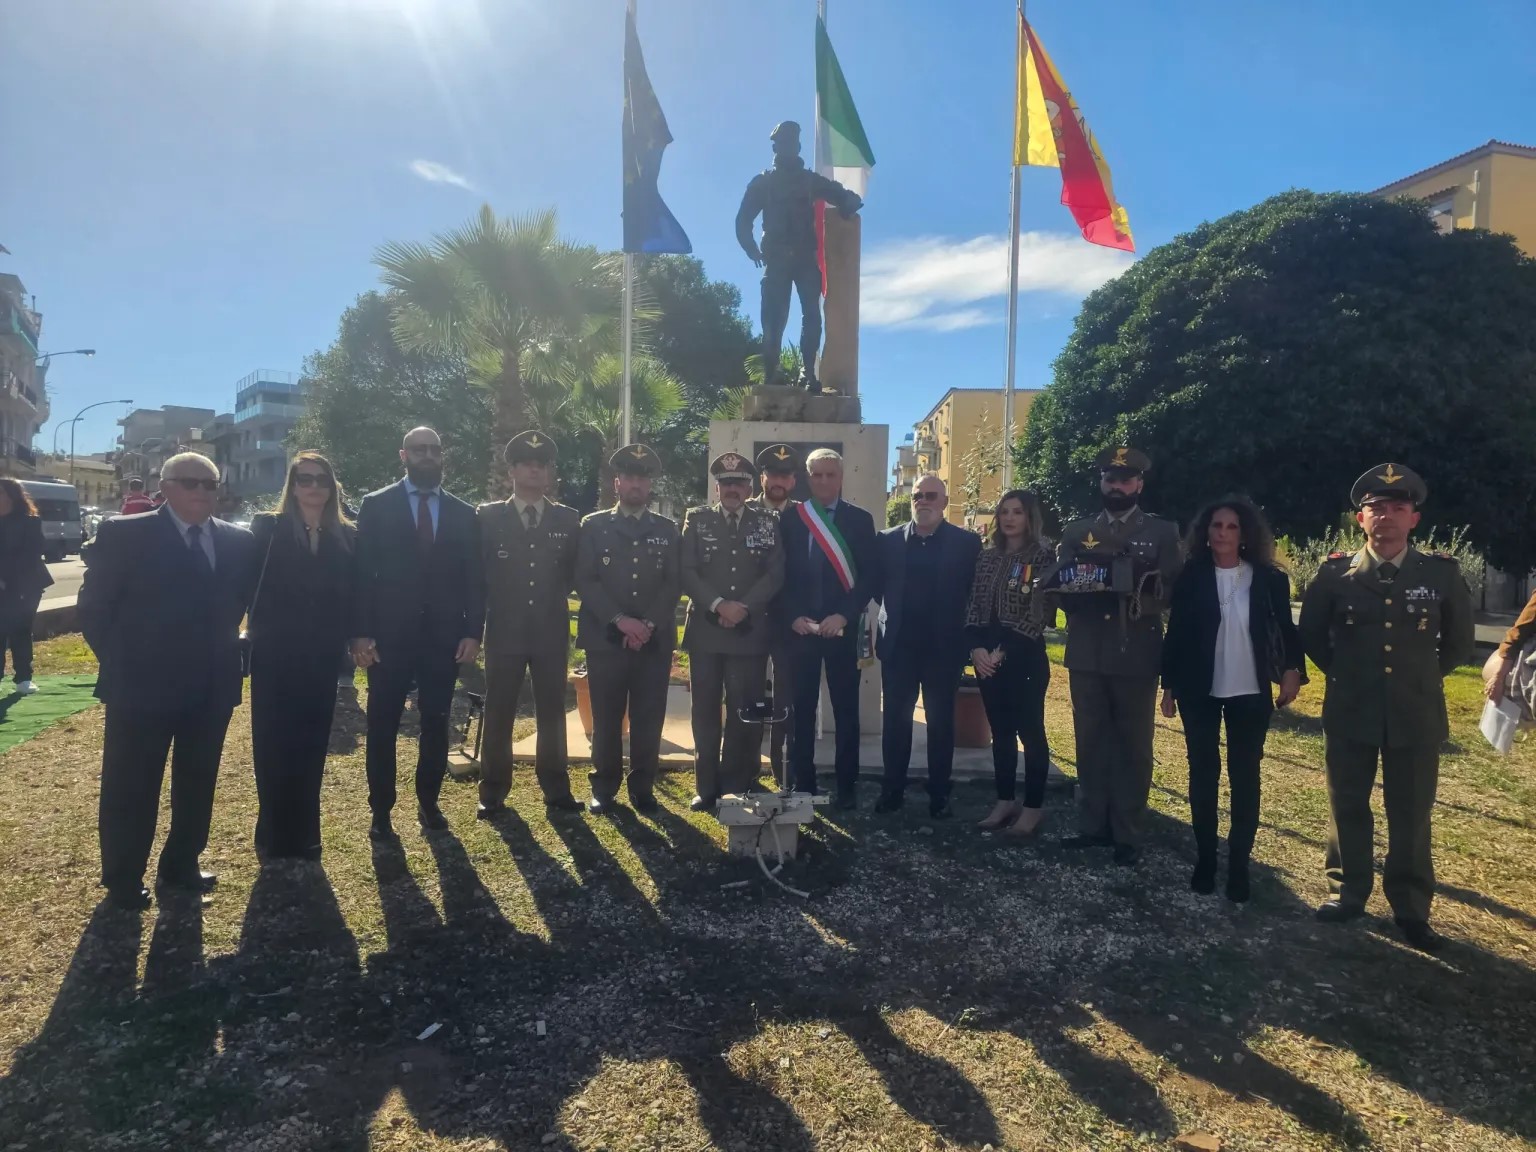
23	576
137	500
299	618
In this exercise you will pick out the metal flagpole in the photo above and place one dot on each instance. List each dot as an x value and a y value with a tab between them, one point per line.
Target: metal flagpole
1013	289
817	142
629	322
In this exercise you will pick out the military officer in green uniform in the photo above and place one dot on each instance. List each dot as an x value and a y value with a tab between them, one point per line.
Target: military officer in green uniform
1115	572
528	544
732	568
778	466
627	577
1385	624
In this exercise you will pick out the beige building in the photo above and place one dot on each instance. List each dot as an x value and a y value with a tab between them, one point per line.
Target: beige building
1492	186
961	441
94	478
23	397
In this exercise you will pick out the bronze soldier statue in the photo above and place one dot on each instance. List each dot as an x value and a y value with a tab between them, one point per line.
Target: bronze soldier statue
785	196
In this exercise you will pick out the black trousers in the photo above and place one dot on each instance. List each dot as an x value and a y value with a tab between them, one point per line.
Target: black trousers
1014	697
504	676
780	732
905	672
737	680
431	668
620	680
1247	719
840	657
290	734
17	638
133	757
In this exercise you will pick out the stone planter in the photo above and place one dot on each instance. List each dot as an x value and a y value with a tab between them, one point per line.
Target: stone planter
971	727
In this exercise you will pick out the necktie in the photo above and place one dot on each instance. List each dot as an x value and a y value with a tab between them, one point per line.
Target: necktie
532	513
733	518
195	543
424	534
1387	572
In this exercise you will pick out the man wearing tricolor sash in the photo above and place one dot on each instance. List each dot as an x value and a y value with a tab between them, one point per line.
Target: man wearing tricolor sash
829	559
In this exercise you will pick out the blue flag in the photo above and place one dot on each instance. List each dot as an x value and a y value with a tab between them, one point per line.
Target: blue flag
649	225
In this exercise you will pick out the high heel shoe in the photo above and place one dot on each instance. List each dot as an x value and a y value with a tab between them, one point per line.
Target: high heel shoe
1028	824
1003	813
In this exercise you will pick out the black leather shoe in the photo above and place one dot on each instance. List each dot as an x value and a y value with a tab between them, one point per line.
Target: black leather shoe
846	801
1085	842
1338	912
603	806
1238	887
431	818
646	805
1421	935
1127	855
564	804
1203	878
129	899
381	830
888	802
939	810
190	881
489	811
702	804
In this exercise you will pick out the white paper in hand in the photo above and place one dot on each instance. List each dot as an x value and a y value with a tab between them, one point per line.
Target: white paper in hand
1500	722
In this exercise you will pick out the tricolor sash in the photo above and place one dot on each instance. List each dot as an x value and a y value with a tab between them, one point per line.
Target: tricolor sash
833	546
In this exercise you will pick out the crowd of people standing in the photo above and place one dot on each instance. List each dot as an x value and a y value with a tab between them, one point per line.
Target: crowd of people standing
779	594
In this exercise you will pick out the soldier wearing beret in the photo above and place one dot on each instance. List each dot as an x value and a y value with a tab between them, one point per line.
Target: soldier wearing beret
777	466
627	578
732	568
1115	571
1385	624
528	543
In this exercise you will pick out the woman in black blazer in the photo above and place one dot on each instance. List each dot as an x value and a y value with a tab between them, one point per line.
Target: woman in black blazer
23	576
1230	634
298	622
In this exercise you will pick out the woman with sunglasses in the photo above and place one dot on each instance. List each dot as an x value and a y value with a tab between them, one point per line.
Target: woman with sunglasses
298	622
1003	626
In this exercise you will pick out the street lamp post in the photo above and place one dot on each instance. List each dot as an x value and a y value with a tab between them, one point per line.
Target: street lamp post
47	356
73	422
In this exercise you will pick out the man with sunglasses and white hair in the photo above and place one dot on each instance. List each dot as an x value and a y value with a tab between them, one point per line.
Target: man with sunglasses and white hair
161	605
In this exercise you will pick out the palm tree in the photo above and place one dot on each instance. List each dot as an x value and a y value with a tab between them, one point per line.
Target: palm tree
597	406
513	298
731	404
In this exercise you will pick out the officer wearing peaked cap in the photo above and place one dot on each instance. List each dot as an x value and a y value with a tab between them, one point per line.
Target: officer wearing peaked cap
1115	572
528	546
732	568
778	467
1386	624
627	578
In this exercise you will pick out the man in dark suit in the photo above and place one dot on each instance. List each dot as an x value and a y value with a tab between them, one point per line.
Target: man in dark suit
829	571
778	465
926	566
420	612
528	542
161	605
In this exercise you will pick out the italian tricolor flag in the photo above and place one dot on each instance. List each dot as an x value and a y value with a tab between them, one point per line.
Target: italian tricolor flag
842	150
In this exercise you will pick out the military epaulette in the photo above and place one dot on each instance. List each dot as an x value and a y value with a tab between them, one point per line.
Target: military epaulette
596	515
1341	555
490	506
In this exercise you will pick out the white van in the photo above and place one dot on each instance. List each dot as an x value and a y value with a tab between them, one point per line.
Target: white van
58	505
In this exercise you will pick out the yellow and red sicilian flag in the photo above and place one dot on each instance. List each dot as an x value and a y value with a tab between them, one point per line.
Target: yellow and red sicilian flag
1050	132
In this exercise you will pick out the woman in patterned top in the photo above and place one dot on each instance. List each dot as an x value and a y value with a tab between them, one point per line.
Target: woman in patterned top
1004	622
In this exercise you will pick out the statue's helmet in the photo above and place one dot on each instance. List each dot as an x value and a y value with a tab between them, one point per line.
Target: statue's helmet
787	129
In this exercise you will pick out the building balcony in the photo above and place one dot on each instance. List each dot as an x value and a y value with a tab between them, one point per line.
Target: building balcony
268	410
19	323
19	452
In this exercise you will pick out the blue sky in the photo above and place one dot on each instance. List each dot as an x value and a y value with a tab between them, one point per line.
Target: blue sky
195	189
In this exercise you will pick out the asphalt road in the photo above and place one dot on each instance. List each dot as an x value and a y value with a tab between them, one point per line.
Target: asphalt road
67	575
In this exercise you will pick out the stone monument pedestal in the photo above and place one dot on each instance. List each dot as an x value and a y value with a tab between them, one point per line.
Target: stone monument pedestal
774	403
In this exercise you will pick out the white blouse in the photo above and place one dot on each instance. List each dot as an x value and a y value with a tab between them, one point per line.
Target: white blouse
1236	674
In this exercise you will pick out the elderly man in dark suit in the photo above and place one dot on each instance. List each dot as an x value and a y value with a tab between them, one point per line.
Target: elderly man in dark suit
829	571
926	567
419	613
161	605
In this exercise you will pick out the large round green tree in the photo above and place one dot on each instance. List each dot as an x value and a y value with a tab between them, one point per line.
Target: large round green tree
1283	350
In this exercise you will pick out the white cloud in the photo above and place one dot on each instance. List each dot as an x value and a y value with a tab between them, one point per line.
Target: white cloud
935	283
435	173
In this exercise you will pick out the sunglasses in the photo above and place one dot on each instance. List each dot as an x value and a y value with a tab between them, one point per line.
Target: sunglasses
193	483
313	480
927	495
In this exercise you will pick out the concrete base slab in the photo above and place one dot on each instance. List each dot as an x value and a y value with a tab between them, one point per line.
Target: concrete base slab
782	403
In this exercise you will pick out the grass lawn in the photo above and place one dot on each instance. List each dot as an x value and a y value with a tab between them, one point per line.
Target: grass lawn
593	986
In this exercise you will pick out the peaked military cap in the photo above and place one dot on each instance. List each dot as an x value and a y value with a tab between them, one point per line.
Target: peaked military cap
1123	459
635	460
731	466
785	128
1389	482
531	445
778	458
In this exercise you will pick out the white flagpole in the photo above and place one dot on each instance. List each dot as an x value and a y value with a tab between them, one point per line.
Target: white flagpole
629	323
817	142
1013	307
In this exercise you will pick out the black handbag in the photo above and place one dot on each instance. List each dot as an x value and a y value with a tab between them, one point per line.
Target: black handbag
245	633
